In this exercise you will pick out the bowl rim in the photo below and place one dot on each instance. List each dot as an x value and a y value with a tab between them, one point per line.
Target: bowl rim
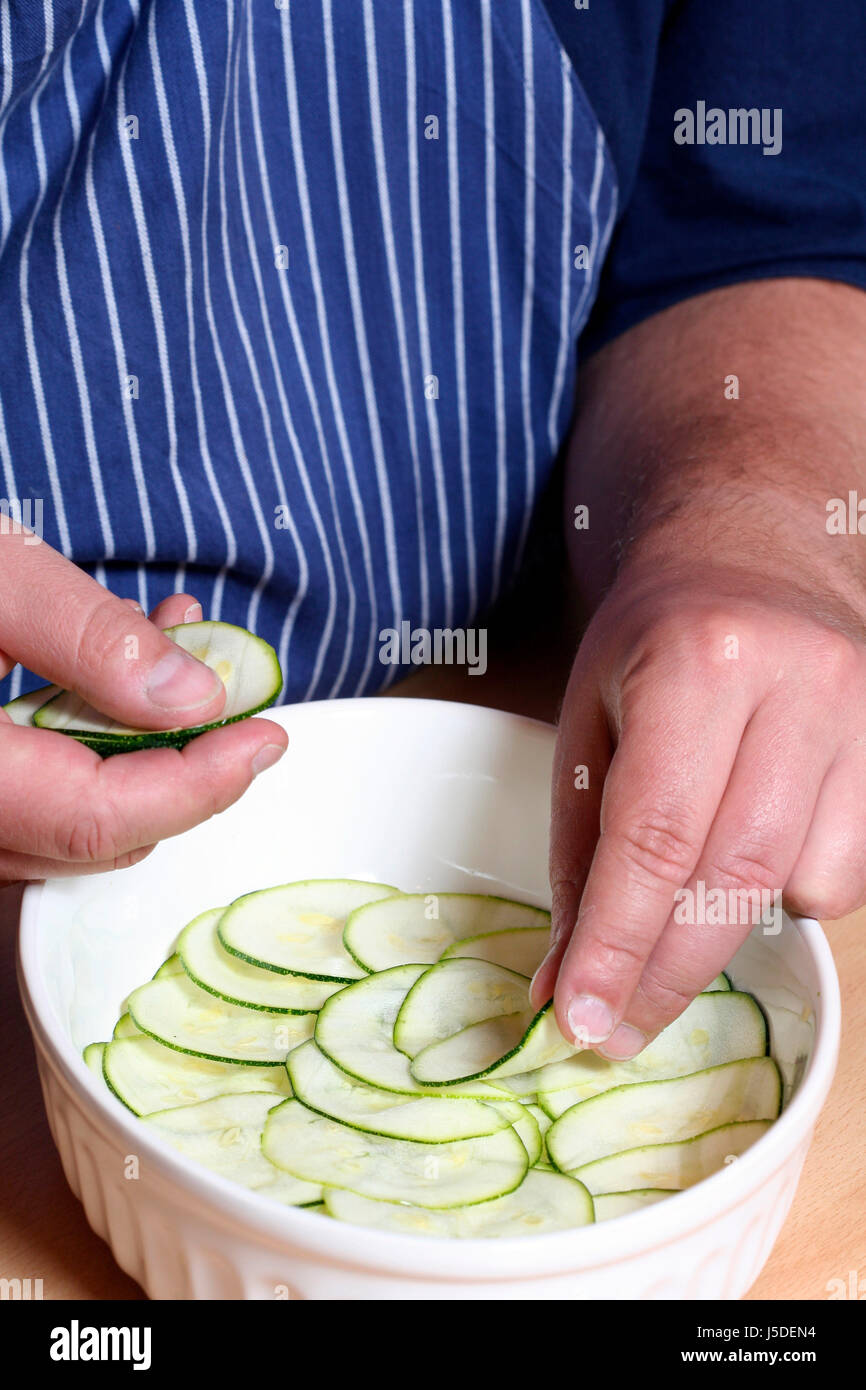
423	1257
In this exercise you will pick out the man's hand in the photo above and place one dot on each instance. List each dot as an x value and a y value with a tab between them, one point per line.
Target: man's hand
718	700
738	724
65	810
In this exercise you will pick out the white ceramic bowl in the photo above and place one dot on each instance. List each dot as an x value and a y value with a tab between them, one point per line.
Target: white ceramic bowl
429	796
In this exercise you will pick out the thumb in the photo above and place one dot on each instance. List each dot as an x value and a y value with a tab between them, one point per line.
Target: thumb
58	621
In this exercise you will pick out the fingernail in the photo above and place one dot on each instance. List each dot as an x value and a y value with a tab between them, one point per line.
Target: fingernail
266	757
623	1044
193	614
178	681
591	1020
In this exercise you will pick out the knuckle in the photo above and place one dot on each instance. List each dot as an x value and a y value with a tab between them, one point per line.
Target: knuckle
840	659
100	633
658	848
747	869
614	954
91	836
701	638
714	627
823	899
87	839
665	997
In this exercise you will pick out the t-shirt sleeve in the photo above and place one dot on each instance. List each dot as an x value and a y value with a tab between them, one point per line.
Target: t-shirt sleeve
754	159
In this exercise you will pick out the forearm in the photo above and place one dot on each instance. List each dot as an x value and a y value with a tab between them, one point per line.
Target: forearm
677	473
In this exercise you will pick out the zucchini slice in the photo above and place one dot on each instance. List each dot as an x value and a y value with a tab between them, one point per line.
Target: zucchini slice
319	1150
521	949
93	1054
715	1028
172	966
247	666
415	928
493	1049
125	1028
721	982
672	1166
544	1122
542	1203
180	1015
609	1205
355	1030
22	709
224	1134
424	1119
297	928
149	1077
664	1112
452	995
207	962
525	1124
523	1084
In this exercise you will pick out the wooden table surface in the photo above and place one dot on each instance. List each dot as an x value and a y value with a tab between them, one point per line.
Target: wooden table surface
43	1232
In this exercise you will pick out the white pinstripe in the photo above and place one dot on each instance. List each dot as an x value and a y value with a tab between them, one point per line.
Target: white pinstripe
111	306
10	490
328	628
9	485
183	225
141	576
243	332
597	172
565	285
396	297
421	303
155	308
231	410
23	289
69	319
601	252
528	272
361	330
5	55
457	294
495	296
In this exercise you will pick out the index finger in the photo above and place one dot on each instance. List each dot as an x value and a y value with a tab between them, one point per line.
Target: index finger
665	781
62	801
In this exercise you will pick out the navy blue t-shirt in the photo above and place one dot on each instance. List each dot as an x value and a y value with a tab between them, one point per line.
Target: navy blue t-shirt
292	295
693	217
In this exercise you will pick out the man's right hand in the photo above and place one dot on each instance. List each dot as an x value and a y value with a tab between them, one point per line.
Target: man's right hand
65	810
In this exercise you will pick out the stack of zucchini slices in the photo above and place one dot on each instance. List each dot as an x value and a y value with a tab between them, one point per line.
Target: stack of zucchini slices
247	666
373	1055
